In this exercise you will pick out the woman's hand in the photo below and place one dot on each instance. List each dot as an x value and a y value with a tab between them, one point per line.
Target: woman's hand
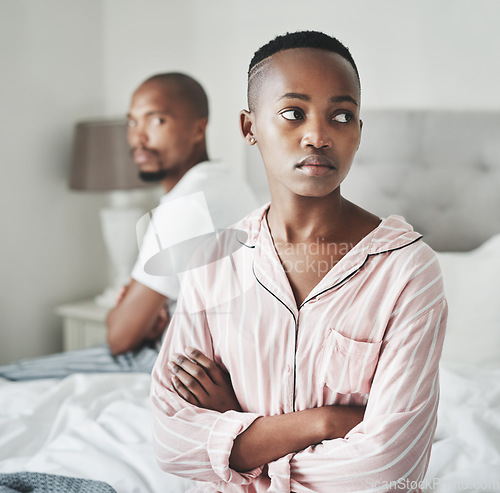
199	381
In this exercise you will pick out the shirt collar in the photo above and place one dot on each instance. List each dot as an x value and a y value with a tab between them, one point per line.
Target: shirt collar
393	233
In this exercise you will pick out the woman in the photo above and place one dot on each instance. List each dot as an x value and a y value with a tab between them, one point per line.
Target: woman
307	359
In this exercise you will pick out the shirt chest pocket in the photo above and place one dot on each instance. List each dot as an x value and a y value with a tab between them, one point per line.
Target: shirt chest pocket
349	365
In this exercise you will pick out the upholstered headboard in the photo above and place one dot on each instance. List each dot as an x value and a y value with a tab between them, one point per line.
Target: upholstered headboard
440	170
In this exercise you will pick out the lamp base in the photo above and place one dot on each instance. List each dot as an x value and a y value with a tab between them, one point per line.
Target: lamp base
118	224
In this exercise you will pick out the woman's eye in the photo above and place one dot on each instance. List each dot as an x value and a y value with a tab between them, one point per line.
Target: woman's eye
131	123
342	117
158	121
292	115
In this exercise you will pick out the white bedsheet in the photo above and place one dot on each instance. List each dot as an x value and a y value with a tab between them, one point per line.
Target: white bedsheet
99	427
466	452
89	426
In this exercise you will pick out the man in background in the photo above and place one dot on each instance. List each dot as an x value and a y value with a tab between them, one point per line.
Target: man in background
167	123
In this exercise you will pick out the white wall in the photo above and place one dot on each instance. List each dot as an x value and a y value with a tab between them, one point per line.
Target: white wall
63	61
426	54
52	76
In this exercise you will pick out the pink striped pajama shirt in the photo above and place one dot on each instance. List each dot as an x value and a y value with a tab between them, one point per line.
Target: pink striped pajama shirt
371	332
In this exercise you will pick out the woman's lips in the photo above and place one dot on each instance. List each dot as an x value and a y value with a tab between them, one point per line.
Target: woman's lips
316	166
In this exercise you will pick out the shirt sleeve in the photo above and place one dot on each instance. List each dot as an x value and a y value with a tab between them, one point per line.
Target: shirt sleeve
189	441
168	286
390	449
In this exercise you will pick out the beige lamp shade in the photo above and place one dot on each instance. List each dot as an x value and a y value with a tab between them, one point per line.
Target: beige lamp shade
102	159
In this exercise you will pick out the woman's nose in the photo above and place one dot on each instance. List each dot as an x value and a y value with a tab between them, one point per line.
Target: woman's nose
317	135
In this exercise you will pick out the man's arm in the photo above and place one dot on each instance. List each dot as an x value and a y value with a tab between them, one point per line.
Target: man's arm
137	318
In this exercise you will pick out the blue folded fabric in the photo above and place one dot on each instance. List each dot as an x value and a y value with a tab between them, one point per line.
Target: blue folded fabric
36	482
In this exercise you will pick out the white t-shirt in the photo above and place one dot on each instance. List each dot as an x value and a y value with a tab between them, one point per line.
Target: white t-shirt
208	197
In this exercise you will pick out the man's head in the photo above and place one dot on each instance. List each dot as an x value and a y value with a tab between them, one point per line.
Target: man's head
167	120
304	101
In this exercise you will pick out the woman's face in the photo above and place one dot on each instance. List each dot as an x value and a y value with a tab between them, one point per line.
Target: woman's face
306	121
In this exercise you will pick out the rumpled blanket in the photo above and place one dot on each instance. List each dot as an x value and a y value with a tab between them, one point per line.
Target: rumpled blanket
28	482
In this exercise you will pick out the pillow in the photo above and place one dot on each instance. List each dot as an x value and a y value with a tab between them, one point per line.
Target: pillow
472	288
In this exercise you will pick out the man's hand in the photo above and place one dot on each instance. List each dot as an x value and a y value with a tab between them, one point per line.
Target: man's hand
138	317
199	381
159	326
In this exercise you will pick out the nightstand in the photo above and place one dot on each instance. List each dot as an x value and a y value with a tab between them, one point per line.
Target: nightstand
84	324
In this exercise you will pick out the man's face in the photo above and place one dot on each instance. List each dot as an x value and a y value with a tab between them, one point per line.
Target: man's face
162	131
306	121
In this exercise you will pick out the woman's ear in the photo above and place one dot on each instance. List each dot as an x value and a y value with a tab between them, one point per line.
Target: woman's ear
246	126
360	132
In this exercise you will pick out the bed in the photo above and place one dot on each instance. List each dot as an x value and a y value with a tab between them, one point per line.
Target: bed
430	168
87	426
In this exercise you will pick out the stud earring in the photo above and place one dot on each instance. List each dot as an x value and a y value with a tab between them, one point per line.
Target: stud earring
252	141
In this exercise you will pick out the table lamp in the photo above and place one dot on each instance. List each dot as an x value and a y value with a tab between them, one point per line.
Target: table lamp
102	163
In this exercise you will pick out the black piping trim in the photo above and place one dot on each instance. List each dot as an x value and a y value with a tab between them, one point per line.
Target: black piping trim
281	301
244	244
358	269
295	335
